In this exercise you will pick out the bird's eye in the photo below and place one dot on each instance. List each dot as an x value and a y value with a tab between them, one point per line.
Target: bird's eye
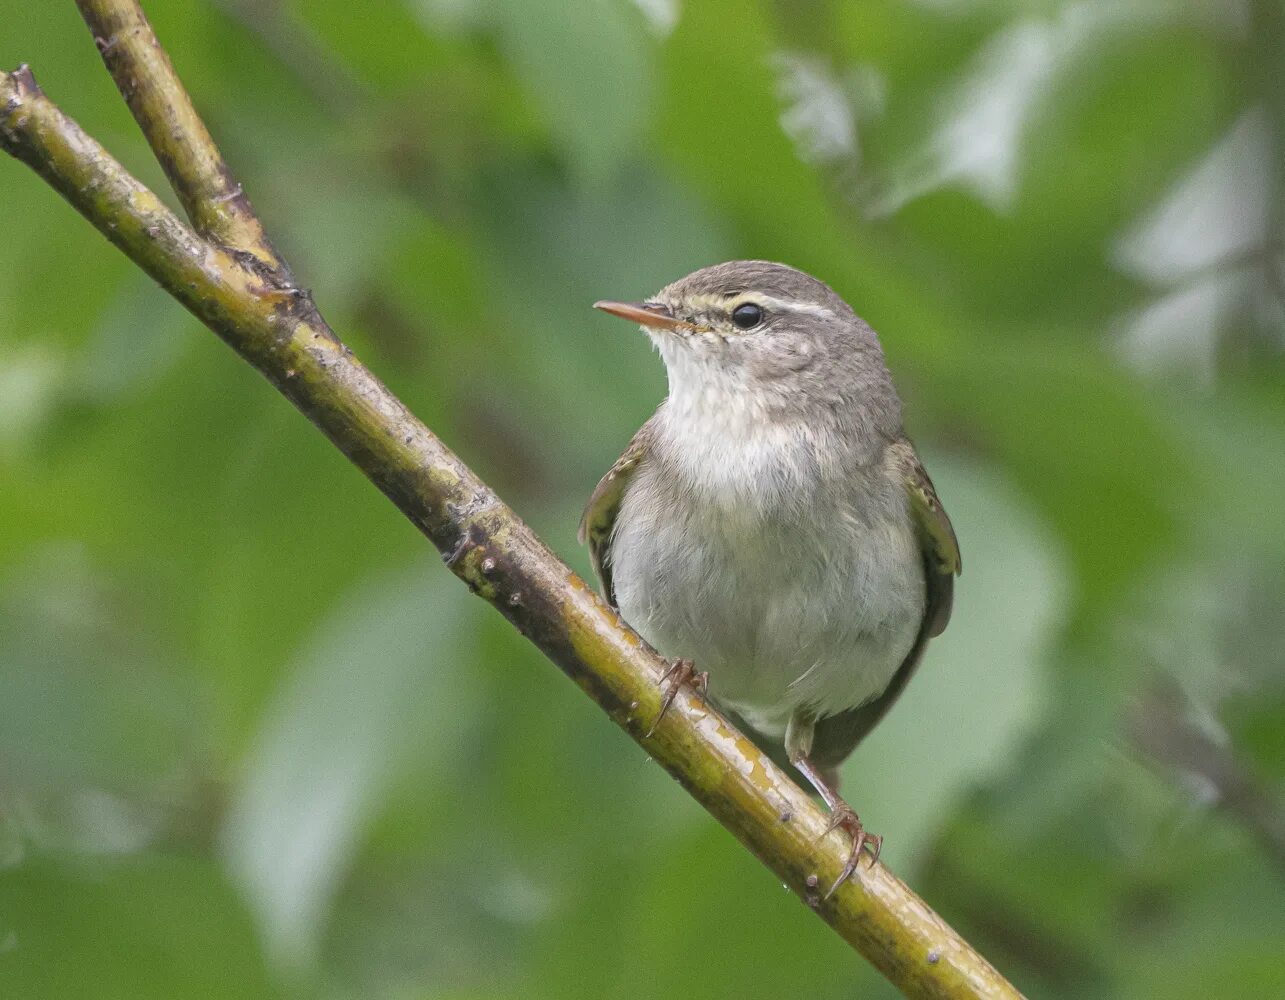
747	315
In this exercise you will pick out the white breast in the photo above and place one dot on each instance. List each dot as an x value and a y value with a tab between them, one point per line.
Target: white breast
796	585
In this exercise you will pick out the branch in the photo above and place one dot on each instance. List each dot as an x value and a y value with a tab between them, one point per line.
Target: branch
211	196
255	307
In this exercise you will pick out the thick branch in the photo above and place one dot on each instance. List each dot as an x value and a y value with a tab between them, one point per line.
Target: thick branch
211	196
275	327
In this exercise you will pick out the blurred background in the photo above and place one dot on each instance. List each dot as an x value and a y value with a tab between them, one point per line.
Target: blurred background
256	742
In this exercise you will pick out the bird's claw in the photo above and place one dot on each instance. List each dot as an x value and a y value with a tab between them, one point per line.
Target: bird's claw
844	818
680	672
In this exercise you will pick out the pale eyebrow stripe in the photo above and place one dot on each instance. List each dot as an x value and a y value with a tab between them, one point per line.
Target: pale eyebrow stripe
807	308
718	301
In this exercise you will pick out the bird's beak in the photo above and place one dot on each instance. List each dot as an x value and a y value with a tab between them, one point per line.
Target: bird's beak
646	313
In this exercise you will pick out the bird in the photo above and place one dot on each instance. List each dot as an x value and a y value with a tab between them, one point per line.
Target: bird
771	530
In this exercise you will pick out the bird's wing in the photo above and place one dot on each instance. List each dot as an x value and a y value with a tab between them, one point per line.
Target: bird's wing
936	536
838	735
600	512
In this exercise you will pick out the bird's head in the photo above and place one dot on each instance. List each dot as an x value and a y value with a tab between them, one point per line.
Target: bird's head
754	331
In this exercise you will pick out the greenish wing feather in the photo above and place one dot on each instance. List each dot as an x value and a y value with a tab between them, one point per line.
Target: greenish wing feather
942	561
600	513
837	735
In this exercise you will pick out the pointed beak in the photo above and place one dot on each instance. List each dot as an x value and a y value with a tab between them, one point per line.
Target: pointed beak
651	314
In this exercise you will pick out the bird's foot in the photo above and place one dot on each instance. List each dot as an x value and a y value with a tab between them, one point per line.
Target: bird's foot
680	672
842	817
798	744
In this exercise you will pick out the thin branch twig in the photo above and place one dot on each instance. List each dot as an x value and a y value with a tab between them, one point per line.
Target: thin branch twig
255	307
211	196
1161	727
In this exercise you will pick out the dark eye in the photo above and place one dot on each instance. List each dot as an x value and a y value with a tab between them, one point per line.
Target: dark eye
747	315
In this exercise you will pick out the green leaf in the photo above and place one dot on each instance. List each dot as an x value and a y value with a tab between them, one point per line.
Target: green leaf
379	686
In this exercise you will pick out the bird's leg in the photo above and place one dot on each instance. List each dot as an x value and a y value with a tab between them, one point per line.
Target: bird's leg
680	672
798	746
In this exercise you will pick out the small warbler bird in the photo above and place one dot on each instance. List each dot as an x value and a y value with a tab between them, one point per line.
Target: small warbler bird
771	524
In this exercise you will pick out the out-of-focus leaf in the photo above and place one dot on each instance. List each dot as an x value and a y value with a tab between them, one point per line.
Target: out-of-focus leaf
817	112
984	116
29	390
98	735
1093	452
1213	215
1208	248
140	334
378	686
588	65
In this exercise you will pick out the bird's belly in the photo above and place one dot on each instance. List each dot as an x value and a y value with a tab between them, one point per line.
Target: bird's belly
781	621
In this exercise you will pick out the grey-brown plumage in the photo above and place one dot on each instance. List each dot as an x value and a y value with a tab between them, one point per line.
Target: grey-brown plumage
771	522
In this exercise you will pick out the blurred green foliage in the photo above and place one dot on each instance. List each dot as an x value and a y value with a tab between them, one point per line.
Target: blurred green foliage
254	742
